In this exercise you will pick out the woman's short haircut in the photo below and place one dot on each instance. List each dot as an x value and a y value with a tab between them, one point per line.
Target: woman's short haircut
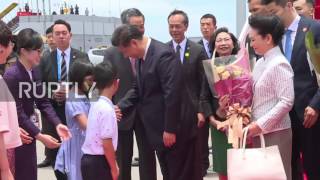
79	70
268	25
5	34
104	74
29	40
233	38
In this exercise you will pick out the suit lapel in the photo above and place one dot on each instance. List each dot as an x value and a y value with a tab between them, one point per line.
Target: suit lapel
299	40
54	62
187	52
73	57
146	63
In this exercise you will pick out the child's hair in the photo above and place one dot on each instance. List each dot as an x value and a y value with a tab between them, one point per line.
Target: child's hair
79	70
104	74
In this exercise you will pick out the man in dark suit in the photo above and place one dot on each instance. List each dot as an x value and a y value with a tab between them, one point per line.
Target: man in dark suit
155	93
52	46
305	113
208	25
190	55
130	122
55	68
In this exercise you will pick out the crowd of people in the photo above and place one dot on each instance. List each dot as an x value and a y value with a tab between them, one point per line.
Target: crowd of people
159	92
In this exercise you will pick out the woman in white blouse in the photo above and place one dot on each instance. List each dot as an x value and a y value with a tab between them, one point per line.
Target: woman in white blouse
273	93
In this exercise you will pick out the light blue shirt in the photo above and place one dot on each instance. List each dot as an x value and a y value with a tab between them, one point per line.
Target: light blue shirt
67	59
294	28
182	49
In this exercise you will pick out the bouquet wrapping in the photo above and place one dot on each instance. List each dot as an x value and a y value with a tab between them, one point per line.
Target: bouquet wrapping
231	76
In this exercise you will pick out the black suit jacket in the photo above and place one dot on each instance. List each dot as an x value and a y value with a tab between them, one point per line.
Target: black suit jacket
210	49
156	93
193	77
306	89
126	76
49	73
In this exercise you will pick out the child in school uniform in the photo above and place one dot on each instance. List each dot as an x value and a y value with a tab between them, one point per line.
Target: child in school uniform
77	108
99	160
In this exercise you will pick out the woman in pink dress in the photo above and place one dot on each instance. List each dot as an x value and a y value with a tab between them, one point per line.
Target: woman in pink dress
9	129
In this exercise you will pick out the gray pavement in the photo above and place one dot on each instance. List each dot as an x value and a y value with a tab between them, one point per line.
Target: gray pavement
47	173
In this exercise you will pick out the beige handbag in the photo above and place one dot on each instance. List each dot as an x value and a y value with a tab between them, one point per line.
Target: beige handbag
255	163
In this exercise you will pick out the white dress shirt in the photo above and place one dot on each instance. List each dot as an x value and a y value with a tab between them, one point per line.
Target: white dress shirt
147	48
183	45
273	92
102	124
206	47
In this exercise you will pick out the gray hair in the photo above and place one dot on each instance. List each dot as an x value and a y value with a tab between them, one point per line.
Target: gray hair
128	13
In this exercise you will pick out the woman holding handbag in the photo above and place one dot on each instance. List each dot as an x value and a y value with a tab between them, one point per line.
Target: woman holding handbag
272	88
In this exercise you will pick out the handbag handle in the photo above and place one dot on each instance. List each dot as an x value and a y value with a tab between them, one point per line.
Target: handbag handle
243	145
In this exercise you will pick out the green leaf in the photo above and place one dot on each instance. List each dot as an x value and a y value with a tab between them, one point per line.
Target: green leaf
314	50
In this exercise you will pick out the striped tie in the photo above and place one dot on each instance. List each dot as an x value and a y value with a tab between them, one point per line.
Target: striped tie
63	68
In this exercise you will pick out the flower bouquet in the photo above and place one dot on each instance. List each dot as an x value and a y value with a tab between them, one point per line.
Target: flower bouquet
231	76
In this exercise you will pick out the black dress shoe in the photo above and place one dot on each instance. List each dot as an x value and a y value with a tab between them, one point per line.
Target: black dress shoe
45	163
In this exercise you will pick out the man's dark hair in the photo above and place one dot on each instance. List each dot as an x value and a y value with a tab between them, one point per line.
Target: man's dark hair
309	2
124	34
185	16
29	40
233	38
79	70
63	22
211	16
281	3
5	34
128	13
104	74
49	30
268	25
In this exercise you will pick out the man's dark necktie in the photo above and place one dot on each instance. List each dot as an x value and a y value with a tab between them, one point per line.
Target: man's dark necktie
63	67
178	52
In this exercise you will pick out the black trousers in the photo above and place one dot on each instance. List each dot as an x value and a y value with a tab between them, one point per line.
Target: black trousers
147	159
305	141
204	147
95	167
26	162
183	162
